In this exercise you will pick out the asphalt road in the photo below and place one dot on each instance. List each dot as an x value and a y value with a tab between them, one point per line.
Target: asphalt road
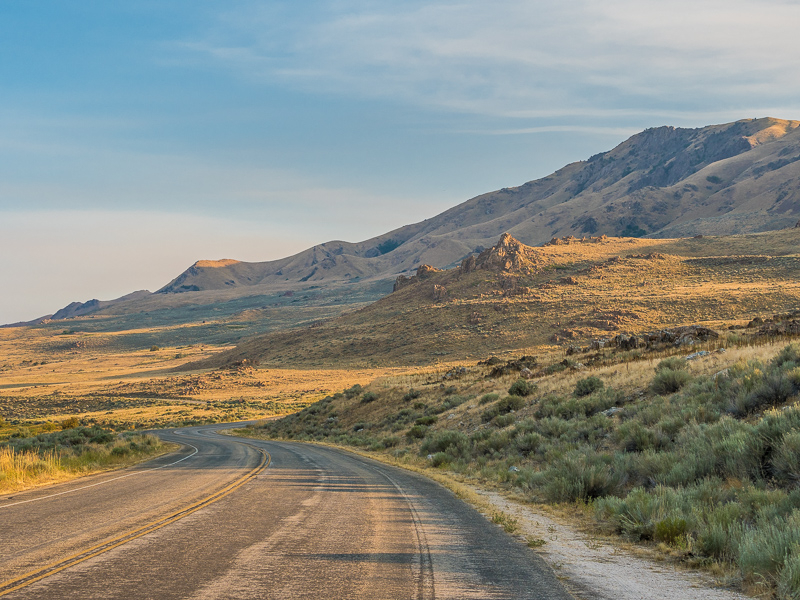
232	518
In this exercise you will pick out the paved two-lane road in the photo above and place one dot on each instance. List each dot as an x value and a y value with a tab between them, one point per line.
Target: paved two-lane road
231	518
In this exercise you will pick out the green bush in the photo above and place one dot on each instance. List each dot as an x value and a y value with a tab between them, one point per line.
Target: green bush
502	407
527	443
487	398
522	387
588	386
668	381
670	530
763	551
417	432
353	391
369	397
453	443
786	459
412	394
773	389
789	578
427	420
503	420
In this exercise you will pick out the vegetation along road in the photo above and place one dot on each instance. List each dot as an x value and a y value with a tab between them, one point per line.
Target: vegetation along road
226	518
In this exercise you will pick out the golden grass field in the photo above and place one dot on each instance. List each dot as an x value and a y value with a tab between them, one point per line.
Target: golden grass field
47	376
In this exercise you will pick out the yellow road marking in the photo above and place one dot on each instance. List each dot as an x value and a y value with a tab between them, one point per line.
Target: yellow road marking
12	585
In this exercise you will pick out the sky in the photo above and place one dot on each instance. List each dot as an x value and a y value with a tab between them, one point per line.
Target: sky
139	137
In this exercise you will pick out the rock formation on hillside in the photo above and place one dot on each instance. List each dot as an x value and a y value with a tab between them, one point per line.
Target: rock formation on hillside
507	255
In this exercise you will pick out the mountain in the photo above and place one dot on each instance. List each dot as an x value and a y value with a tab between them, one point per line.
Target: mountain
741	177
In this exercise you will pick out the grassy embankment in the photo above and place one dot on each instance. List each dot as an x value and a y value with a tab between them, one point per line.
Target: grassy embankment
27	462
700	458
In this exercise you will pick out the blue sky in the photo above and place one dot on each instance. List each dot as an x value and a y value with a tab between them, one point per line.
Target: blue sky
138	137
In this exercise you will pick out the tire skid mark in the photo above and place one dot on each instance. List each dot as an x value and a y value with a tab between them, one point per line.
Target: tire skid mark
22	581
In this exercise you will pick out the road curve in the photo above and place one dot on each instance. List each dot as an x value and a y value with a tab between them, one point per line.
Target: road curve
234	518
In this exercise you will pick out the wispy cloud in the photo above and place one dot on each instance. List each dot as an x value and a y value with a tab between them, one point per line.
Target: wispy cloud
518	57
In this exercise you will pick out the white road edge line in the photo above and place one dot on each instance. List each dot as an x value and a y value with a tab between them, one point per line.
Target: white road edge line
196	450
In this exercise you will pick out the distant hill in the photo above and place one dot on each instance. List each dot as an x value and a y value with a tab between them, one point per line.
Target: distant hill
513	297
741	177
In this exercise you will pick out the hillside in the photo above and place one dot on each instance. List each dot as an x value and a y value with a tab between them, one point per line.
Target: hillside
741	177
571	291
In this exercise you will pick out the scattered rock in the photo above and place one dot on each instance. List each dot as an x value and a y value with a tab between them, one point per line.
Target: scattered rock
456	373
697	355
513	469
526	373
612	411
439	293
524	362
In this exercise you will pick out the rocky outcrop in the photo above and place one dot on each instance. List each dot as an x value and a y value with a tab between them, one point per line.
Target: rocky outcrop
423	272
507	255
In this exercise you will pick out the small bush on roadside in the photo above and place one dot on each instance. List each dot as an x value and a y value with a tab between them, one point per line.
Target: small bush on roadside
453	443
588	386
670	530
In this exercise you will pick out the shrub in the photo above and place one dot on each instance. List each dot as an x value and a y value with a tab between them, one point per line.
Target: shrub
763	551
369	397
487	398
353	391
504	406
510	403
786	458
670	530
503	420
527	442
579	477
427	420
668	381
417	432
70	423
673	363
789	578
522	387
412	394
439	459
154	348
772	389
587	386
453	443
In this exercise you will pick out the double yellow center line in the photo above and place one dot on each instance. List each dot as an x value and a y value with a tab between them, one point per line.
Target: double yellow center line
11	585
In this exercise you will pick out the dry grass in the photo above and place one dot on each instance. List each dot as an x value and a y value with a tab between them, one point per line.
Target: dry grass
25	469
47	376
578	292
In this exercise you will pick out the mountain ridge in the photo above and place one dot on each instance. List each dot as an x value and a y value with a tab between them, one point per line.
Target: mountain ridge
664	182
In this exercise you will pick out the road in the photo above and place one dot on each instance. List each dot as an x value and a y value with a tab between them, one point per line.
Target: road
233	518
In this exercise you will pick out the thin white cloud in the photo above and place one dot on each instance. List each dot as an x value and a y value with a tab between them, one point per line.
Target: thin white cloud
518	57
